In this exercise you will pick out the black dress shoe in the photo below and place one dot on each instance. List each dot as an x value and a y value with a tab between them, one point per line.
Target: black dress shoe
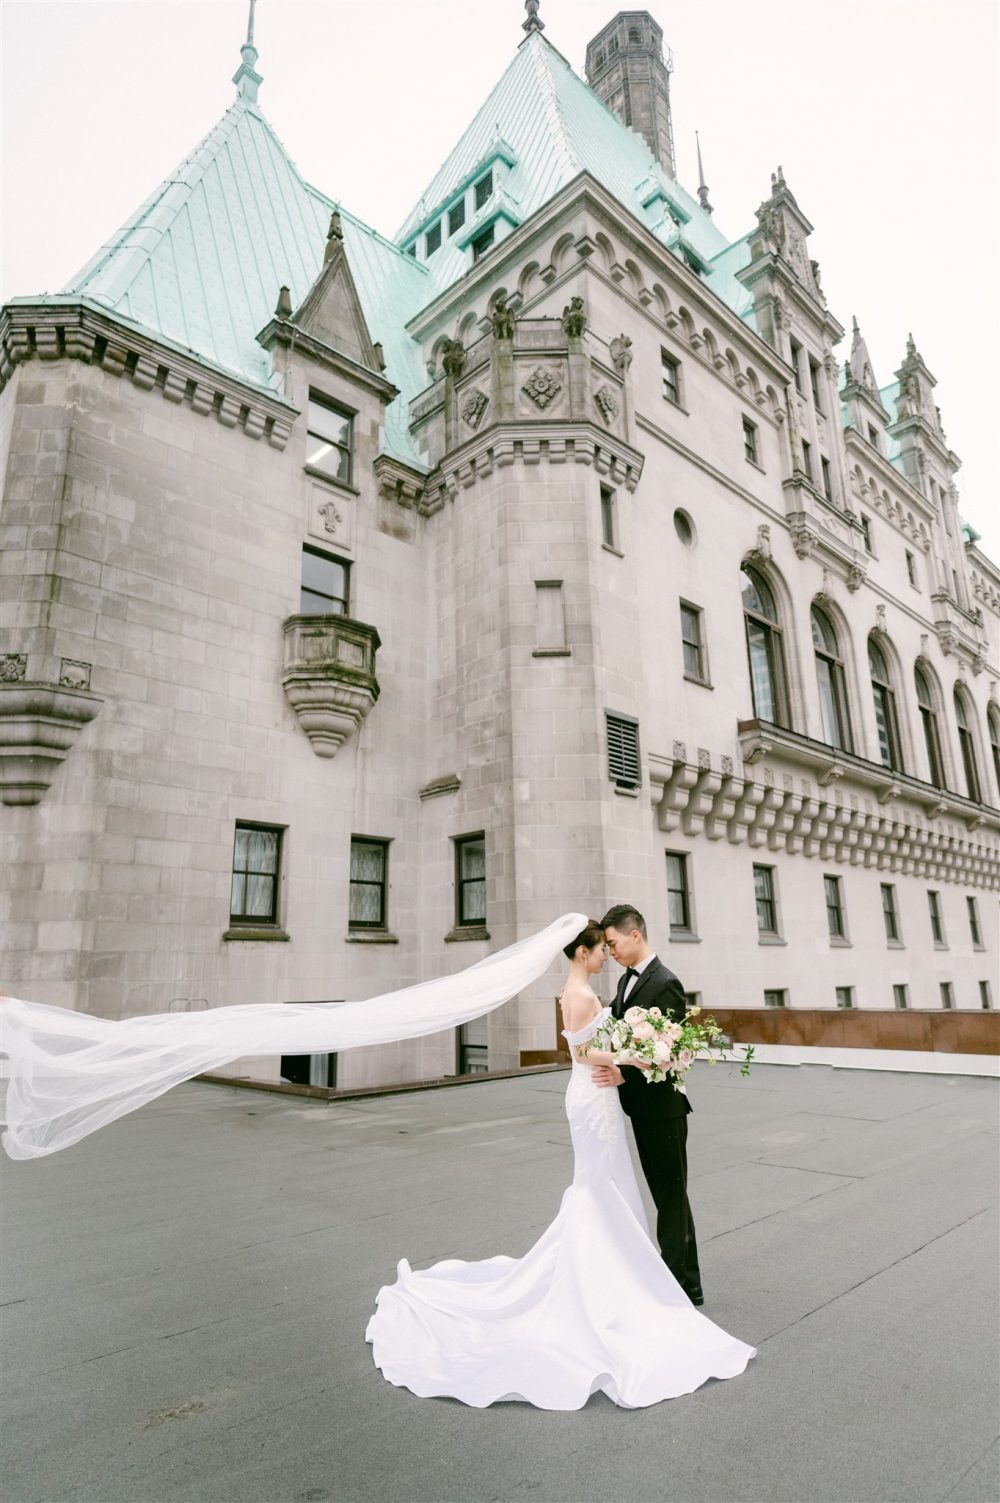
695	1296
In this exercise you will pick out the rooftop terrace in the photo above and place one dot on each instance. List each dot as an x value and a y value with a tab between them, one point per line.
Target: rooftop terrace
187	1294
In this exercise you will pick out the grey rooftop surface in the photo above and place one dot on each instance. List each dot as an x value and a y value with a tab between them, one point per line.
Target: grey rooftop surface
187	1293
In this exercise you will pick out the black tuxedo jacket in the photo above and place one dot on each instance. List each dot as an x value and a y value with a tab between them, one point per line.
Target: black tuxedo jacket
654	987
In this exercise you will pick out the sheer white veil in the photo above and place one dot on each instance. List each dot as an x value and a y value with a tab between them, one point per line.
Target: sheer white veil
71	1073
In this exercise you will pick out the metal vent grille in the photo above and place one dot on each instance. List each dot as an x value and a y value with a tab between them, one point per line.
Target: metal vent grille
623	751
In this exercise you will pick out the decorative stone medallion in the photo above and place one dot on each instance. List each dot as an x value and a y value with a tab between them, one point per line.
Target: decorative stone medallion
473	408
541	386
13	667
607	402
74	675
332	520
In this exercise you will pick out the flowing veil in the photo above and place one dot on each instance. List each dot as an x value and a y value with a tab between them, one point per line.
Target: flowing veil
71	1073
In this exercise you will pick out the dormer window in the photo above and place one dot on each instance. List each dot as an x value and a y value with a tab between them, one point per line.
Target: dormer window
873	436
456	216
434	238
483	241
484	189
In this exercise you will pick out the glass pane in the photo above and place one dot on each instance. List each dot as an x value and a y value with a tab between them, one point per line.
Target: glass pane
238	893
323	576
259	897
473	858
678	910
882	712
328	458
324	423
761	679
876	664
692	664
365	903
473	902
262	850
823	634
311	604
367	862
960	715
923	689
240	851
828	702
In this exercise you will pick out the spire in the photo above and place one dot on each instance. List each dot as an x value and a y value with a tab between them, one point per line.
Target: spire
702	185
246	79
860	364
532	21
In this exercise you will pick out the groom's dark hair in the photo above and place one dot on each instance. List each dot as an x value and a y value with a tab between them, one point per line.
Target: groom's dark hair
624	918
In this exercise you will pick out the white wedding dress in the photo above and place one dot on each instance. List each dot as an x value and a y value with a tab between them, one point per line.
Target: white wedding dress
591	1308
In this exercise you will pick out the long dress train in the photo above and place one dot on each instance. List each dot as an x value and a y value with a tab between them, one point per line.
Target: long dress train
590	1308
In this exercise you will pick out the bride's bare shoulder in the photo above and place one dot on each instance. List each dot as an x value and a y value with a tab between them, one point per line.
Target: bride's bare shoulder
579	1005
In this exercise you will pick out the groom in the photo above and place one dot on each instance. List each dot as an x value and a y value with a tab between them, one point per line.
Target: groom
658	1113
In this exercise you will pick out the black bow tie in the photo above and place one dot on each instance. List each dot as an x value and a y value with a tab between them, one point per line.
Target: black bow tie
630	971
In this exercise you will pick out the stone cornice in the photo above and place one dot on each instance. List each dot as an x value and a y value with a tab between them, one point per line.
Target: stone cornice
531	442
858	445
848	810
77	330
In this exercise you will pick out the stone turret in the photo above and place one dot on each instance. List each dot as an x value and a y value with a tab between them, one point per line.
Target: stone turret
626	67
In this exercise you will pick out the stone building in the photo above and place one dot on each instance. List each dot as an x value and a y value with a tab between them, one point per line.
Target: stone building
368	602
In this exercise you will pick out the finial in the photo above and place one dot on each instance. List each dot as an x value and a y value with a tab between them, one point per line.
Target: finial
283	308
532	21
334	235
702	186
855	330
246	78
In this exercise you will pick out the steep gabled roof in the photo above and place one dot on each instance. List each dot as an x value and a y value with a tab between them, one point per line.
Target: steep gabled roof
555	127
201	261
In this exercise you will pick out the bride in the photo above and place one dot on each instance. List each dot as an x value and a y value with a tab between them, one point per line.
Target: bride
590	1308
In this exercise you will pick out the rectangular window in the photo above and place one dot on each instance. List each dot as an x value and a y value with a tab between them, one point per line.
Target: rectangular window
254	891
470	881
750	441
900	998
834	907
873	436
473	1048
483	241
671	369
369	866
795	361
693	643
824	465
845	996
890	913
937	924
456	216
624	767
866	533
609	520
776	999
325	581
484	188
975	930
678	893
985	997
807	460
947	996
432	241
329	439
814	383
767	907
911	569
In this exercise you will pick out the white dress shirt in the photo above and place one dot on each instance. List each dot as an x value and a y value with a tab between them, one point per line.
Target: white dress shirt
632	980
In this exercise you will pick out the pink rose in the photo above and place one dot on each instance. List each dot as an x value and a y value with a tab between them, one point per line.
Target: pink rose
661	1052
684	1059
635	1015
643	1031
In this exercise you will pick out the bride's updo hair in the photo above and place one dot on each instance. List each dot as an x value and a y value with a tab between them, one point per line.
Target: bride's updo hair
591	936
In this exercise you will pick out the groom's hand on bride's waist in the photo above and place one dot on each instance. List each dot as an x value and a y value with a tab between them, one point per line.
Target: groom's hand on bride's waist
607	1075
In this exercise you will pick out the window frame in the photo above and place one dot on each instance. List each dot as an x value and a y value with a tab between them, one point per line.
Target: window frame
795	361
929	723
434	232
890	915
698	675
781	992
345	600
845	997
769	900
866	533
484	241
985	996
670	384
250	920
751	449
814	370
975	927
373	842
807	463
609	518
483	190
462	843
967	747
833	662
456	217
884	696
938	934
901	996
772	634
947	990
838	935
345	450
686	927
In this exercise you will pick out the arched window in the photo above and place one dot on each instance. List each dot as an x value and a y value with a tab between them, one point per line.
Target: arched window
886	723
928	715
764	648
832	690
968	748
993	717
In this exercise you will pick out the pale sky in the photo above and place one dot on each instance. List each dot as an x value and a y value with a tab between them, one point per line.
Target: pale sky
883	114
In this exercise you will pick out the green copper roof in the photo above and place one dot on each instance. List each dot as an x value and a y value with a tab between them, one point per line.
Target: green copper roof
555	127
201	261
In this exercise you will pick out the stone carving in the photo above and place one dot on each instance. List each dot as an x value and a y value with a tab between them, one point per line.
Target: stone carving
574	319
13	667
38	726
329	676
727	767
803	540
331	516
74	675
541	386
880	625
762	548
607	402
704	759
473	407
621	352
453	358
855	577
503	319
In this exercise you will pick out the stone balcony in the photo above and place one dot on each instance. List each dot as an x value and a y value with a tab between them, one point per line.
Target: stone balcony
39	722
329	676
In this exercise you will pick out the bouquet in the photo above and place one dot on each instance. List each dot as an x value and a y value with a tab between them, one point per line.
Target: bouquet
661	1047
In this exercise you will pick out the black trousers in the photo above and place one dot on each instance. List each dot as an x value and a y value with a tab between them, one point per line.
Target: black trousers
662	1145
